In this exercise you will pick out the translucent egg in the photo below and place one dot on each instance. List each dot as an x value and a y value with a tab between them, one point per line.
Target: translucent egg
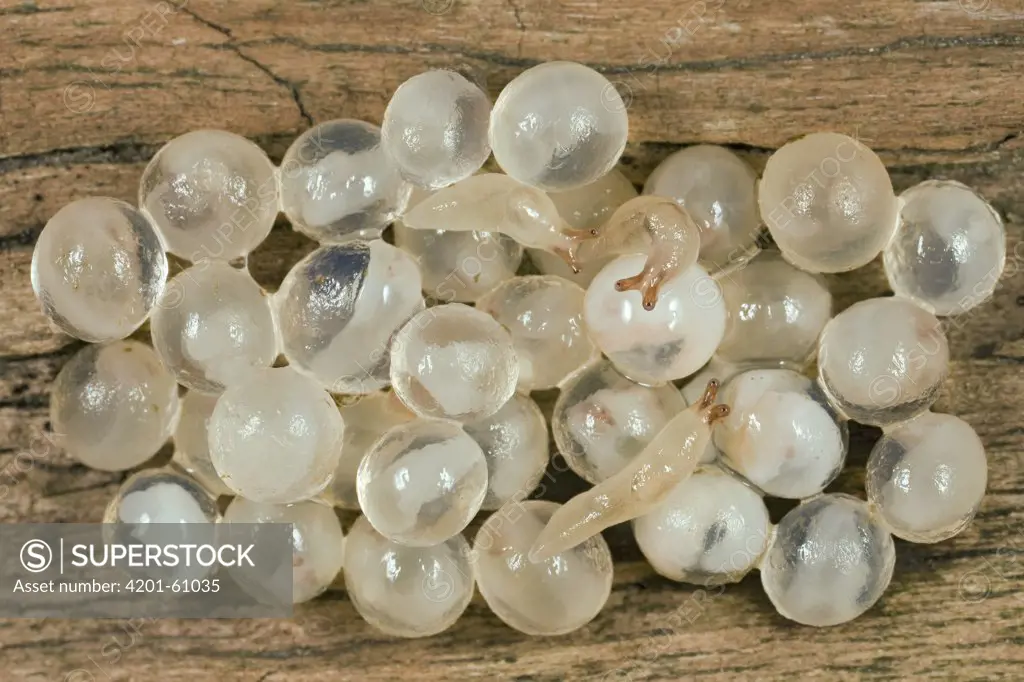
586	208
407	591
927	477
558	126
98	269
669	342
602	420
544	315
339	308
435	128
337	182
552	597
212	326
775	312
211	195
160	496
163	507
275	436
828	202
317	540
454	362
829	561
514	441
192	443
882	360
422	482
711	529
949	250
458	266
112	407
718	189
366	420
781	434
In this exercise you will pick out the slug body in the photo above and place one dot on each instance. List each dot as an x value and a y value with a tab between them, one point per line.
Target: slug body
492	202
655	226
670	457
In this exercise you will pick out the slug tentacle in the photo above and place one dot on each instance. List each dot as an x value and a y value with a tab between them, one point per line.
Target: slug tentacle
578	235
647	283
670	457
716	413
492	202
569	257
655	226
710	394
575	238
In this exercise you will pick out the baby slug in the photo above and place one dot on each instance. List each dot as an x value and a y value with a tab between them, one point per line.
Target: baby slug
655	226
670	457
492	202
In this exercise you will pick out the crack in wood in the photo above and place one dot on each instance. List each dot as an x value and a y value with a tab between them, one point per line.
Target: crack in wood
517	14
27	402
60	353
230	45
119	152
30	8
114	482
498	59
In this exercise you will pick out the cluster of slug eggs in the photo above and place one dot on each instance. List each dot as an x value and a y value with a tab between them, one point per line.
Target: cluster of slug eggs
437	421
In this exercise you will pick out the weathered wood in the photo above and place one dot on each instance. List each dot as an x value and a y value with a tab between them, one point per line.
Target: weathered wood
89	90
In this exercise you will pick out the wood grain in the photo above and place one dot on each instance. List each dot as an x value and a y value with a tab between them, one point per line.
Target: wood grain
89	90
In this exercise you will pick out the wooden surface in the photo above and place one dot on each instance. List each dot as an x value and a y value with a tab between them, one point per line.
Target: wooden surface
89	90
